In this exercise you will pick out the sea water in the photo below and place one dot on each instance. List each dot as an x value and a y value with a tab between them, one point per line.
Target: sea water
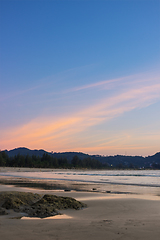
148	178
144	182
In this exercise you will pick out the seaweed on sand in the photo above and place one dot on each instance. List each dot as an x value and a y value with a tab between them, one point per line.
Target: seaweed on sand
36	205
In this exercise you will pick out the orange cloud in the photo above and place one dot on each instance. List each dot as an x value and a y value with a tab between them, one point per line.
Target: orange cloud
62	133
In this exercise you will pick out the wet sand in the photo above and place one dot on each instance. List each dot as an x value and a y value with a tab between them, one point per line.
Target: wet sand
108	216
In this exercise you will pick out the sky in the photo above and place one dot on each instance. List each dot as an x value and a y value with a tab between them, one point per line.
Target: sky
80	75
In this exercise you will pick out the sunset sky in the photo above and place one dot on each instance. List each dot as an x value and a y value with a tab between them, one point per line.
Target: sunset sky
80	75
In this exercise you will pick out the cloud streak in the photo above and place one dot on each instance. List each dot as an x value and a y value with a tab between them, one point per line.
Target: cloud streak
61	133
111	83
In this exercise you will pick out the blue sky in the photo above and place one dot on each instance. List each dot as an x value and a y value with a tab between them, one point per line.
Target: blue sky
80	76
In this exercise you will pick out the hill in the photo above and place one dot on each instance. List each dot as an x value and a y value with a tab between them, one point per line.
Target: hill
119	161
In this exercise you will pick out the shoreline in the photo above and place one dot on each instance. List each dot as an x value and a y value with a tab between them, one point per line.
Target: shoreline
109	215
76	184
108	218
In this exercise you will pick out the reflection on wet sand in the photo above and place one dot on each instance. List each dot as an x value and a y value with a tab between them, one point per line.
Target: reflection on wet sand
63	216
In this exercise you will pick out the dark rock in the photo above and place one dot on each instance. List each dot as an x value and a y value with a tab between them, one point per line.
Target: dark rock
35	205
3	211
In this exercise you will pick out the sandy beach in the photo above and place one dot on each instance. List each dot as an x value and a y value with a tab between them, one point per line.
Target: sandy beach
108	216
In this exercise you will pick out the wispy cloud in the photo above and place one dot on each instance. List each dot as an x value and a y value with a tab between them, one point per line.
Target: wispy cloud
97	84
61	132
111	83
6	96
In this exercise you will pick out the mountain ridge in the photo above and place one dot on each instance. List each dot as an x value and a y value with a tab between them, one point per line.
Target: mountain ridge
116	160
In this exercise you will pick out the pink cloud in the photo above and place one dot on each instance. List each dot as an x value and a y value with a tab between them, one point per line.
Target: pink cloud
61	132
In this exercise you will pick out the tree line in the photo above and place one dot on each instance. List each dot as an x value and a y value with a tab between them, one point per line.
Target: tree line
49	161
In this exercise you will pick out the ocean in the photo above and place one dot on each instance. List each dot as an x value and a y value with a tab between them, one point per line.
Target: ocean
119	181
125	177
